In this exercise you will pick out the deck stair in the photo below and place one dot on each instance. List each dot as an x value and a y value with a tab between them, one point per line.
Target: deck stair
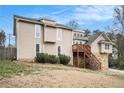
90	59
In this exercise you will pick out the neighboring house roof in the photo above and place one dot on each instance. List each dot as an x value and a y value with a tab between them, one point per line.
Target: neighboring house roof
80	31
94	37
38	21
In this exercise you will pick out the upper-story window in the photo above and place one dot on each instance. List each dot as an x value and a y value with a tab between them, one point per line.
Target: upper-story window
37	31
59	34
74	34
78	35
107	46
81	35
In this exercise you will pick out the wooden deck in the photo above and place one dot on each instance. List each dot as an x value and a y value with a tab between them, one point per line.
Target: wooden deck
83	57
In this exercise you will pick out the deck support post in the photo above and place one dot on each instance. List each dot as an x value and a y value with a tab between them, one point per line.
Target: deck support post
84	61
78	57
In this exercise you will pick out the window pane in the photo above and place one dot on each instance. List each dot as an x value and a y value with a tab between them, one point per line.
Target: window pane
37	48
75	34
106	46
59	50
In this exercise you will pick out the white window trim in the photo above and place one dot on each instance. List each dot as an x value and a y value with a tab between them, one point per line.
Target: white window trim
36	25
59	31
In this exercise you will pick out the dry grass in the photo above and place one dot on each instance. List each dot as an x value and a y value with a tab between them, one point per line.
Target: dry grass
49	75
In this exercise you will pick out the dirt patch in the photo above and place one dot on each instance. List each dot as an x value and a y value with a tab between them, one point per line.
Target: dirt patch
64	77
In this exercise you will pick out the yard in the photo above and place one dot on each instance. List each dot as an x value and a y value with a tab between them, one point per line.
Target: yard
21	74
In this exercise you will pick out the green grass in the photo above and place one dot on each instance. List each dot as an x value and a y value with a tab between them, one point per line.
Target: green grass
8	68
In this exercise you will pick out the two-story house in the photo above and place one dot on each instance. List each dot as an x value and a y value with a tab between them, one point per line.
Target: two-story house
41	36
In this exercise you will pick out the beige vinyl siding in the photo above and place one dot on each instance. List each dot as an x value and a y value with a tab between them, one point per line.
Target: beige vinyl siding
25	41
95	49
49	34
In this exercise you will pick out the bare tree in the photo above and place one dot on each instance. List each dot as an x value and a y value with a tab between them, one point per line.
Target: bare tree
119	28
87	32
73	24
97	31
119	19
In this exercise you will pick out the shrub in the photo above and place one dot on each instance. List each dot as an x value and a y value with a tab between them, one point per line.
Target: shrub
64	59
119	63
115	63
53	59
42	58
45	58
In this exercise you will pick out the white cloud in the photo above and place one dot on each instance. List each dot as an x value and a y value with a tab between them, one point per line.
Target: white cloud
61	11
84	15
94	13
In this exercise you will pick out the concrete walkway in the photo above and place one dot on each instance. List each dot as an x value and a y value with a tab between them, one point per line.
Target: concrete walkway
116	70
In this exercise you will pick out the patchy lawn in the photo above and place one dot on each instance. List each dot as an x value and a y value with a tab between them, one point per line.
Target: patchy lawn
8	68
56	75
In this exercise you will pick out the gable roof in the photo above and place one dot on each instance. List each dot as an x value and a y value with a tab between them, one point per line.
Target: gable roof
92	38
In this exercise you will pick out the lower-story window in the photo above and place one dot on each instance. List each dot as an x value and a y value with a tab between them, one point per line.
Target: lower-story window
59	50
37	48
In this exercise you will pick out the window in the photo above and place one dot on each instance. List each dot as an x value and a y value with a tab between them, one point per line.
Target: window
78	35
74	34
59	50
106	46
81	35
59	34
37	31
37	48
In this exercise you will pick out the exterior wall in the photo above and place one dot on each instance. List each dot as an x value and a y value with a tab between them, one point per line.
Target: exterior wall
78	42
95	49
78	34
50	48
66	45
79	37
49	34
26	42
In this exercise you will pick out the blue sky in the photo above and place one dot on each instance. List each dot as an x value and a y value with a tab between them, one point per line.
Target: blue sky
88	17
